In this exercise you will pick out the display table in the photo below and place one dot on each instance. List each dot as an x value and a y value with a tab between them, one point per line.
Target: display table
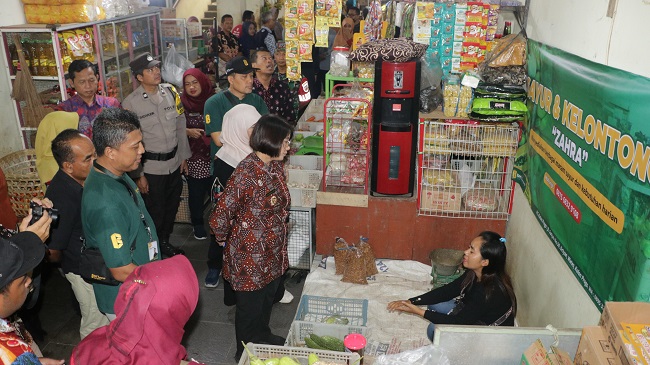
393	332
397	279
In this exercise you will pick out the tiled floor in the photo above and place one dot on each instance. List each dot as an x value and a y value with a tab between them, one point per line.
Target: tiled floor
210	333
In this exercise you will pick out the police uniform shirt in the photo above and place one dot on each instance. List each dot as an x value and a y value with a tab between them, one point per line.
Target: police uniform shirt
162	122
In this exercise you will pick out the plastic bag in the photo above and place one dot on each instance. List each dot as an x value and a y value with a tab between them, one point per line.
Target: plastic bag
508	51
421	356
174	66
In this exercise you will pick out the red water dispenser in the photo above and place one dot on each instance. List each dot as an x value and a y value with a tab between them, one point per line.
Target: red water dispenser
394	141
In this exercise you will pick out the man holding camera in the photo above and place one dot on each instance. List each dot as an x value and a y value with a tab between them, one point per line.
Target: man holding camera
74	153
115	219
19	256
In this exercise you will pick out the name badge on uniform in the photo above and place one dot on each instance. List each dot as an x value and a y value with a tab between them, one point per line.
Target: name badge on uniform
153	250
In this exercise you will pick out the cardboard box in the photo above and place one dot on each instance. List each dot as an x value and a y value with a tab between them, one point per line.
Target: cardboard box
617	312
594	348
167	13
536	354
447	200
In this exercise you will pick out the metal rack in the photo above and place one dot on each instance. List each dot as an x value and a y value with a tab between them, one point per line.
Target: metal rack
115	43
347	145
465	167
300	246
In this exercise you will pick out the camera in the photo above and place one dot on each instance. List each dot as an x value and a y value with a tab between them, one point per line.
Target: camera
37	212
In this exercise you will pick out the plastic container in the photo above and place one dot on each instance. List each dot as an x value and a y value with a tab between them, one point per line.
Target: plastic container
339	62
445	261
315	309
301	354
303	185
355	343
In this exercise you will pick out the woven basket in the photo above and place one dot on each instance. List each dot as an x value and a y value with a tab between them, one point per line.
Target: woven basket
22	180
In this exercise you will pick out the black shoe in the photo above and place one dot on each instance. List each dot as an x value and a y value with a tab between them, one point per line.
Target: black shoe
276	340
168	250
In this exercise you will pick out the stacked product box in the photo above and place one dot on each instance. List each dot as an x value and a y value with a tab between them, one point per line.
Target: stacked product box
474	43
626	326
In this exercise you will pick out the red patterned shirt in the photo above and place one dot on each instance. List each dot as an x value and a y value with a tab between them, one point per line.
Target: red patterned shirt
278	98
87	113
251	218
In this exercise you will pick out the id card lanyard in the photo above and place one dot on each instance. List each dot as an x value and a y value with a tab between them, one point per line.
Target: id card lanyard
133	196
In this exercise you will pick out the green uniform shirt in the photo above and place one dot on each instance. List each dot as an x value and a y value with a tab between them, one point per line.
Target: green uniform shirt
218	105
111	222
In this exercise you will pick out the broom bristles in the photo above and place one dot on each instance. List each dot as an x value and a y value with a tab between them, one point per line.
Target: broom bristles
25	90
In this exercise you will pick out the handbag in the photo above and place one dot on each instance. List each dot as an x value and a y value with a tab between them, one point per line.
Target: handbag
92	267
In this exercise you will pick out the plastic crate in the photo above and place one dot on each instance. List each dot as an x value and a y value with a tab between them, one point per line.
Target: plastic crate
301	329
303	185
315	309
301	354
309	127
307	162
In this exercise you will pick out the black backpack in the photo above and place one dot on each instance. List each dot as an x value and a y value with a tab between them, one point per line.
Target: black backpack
259	38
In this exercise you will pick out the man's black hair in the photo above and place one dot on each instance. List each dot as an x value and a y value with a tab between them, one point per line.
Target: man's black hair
61	148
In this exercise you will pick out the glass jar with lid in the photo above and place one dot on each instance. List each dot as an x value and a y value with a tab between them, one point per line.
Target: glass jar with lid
339	62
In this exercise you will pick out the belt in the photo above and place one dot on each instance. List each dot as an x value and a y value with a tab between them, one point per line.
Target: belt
160	156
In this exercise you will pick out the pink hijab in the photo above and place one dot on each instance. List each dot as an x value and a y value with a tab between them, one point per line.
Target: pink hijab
153	305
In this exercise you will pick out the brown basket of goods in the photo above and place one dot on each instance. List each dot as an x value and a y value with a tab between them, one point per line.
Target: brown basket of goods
23	182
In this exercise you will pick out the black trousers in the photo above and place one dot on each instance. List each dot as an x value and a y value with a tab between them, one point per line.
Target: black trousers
162	201
253	315
197	191
222	171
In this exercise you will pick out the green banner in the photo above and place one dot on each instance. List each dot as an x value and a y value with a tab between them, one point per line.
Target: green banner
584	165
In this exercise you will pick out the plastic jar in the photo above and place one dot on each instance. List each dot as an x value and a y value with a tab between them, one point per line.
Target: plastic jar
355	342
339	62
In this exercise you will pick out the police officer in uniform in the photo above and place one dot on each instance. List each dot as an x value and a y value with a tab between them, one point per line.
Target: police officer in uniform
162	121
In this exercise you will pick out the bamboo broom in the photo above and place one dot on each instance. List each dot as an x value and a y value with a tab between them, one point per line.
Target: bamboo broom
25	90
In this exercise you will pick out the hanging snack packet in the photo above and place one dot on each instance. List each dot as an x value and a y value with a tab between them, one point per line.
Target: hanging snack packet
304	51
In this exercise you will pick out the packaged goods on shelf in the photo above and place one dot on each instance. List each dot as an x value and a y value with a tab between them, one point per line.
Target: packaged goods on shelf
63	14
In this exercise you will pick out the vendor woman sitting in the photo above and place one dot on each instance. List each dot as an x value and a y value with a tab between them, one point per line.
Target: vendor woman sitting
483	295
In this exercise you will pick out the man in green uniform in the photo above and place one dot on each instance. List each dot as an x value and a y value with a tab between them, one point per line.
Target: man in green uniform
115	219
162	122
240	77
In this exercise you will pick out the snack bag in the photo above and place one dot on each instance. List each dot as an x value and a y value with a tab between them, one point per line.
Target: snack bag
355	271
341	250
306	31
369	256
304	51
74	47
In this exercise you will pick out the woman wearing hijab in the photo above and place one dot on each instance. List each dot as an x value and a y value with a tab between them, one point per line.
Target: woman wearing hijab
246	38
152	307
344	36
196	90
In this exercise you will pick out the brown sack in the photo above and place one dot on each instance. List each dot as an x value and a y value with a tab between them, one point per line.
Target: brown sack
355	271
368	256
341	253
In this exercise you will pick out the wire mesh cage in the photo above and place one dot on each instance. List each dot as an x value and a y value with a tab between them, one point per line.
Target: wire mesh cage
300	241
465	169
348	123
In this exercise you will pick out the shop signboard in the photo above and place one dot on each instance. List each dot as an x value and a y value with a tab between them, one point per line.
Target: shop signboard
584	165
